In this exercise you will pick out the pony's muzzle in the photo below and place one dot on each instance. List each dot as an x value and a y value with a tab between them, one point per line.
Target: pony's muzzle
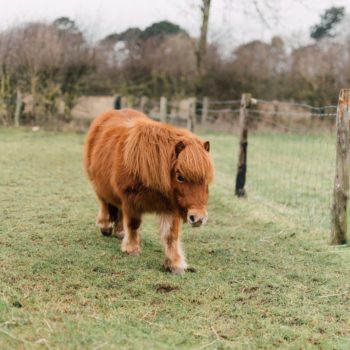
197	220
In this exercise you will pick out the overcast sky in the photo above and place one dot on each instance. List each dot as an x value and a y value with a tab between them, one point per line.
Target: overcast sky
231	21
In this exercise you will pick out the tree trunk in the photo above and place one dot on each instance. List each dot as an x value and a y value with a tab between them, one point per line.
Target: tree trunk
202	47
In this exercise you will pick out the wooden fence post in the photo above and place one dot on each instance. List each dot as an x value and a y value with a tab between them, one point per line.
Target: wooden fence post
18	107
205	107
124	102
130	101
191	118
163	109
341	182
143	104
243	145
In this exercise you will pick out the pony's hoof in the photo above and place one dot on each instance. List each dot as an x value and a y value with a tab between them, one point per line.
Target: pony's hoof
134	253
131	250
107	231
176	270
191	269
119	235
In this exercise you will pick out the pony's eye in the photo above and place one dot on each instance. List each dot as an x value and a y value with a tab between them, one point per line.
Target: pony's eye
180	178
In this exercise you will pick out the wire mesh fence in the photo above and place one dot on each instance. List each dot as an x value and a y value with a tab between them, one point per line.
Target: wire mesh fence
291	157
293	168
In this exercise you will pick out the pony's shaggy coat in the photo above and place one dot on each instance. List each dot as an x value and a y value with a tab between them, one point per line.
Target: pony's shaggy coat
137	165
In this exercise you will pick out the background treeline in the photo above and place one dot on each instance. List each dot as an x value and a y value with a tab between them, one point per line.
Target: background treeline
49	65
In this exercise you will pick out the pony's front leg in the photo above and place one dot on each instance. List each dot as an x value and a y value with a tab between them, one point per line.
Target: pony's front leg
170	236
103	220
131	241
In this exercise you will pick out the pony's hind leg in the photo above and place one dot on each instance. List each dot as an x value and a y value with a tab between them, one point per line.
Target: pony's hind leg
116	216
131	241
170	236
103	220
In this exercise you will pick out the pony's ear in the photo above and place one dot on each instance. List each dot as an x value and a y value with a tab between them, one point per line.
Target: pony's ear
179	147
207	146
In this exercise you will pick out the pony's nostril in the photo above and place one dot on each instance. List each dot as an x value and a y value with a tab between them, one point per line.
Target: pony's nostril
192	218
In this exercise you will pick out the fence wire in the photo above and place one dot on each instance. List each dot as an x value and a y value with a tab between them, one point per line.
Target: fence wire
291	157
226	102
304	105
300	114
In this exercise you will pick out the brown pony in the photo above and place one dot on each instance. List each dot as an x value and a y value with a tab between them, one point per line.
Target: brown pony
136	166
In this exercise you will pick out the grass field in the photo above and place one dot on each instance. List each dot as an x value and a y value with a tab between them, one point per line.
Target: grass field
264	278
293	172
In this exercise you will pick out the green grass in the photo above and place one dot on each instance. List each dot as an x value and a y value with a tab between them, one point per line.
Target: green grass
265	278
295	172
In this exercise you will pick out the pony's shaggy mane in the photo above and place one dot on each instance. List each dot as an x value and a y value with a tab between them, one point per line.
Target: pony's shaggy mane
149	153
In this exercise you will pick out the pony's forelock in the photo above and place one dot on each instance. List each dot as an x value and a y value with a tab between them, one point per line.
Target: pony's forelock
195	163
148	154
